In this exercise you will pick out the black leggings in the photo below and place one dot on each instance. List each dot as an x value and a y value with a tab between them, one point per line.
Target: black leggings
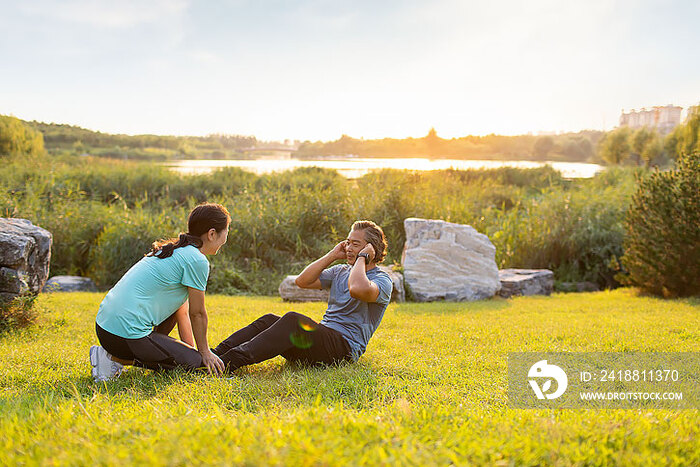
156	351
294	336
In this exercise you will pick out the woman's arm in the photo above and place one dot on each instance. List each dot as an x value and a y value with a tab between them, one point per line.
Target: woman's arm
181	317
199	320
184	325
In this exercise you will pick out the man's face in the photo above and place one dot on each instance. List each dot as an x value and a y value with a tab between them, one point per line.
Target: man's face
355	243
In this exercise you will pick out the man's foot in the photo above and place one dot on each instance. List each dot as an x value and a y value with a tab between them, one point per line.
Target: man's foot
103	368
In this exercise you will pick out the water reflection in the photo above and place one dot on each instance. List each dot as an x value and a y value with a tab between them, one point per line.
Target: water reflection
356	167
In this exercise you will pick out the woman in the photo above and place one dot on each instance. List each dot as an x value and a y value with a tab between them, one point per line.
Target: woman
164	287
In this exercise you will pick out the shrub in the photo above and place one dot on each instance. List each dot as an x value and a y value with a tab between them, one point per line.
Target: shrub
17	312
662	240
75	225
577	232
224	279
126	241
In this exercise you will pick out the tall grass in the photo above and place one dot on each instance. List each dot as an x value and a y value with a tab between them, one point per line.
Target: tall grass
105	214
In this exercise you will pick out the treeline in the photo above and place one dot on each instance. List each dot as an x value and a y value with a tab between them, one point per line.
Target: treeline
62	139
68	138
621	146
578	147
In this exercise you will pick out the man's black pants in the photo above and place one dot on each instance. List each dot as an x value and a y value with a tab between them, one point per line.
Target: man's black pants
296	337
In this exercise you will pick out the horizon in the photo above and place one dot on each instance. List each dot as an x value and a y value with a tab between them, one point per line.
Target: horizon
313	71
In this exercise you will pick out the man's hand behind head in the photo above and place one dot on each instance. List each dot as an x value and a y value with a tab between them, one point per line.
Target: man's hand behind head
338	252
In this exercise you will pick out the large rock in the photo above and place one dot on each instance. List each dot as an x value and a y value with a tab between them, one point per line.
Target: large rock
446	261
290	292
515	282
70	284
12	281
398	294
25	253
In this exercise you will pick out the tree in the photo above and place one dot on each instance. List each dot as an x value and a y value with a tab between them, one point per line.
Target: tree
18	138
615	146
646	144
652	150
542	147
685	138
433	143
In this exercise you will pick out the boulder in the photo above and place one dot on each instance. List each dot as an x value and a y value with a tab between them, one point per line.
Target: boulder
398	294
70	284
515	282
290	292
447	261
25	254
13	281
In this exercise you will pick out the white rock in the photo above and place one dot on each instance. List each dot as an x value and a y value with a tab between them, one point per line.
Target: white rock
398	294
515	282
291	292
70	284
447	261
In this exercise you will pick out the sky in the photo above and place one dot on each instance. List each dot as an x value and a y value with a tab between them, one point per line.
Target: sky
318	69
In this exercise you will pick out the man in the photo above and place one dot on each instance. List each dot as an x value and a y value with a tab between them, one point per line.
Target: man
359	295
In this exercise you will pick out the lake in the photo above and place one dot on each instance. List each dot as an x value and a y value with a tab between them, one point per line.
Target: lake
354	167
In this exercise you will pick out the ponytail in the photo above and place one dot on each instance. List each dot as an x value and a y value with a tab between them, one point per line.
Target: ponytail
164	248
202	219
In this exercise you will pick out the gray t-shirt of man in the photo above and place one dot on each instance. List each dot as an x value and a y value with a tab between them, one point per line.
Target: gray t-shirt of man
354	319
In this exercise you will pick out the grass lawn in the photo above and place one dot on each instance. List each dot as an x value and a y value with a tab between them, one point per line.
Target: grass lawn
431	389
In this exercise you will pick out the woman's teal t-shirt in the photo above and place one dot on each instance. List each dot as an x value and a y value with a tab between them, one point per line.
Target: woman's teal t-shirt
151	291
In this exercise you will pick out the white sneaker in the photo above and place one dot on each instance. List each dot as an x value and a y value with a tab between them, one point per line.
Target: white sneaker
103	368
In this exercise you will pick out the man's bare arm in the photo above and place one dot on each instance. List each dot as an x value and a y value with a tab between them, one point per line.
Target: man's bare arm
359	285
309	277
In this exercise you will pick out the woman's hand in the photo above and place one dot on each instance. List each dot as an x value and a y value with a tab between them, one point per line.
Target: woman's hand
339	252
213	363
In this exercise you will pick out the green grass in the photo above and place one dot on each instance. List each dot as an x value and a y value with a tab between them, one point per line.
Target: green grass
431	389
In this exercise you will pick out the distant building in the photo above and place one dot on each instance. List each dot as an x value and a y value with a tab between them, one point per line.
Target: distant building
663	118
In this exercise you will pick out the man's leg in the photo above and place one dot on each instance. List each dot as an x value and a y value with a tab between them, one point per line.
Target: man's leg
294	335
245	334
329	347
